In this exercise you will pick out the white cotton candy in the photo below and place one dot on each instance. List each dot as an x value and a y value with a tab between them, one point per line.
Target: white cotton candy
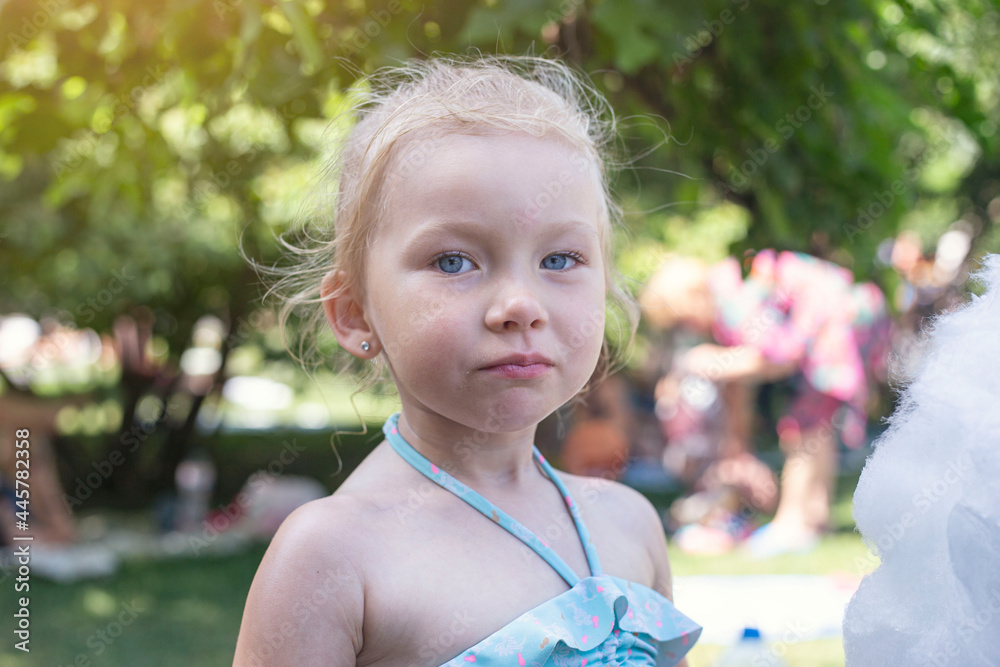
928	504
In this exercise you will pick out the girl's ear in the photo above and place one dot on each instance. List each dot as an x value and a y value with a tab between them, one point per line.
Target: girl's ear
346	316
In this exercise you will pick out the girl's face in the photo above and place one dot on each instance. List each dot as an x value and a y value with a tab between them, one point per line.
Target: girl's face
488	252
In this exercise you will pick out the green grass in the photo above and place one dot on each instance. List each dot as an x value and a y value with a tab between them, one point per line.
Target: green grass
841	552
187	612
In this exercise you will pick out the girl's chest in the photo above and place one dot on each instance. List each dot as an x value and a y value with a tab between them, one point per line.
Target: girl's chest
443	584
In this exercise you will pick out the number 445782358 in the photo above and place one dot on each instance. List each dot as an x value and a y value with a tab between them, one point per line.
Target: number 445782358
22	467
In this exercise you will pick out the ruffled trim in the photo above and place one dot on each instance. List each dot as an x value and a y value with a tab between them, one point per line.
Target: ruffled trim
600	616
652	614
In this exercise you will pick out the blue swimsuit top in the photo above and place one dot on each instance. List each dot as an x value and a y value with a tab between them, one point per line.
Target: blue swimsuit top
600	621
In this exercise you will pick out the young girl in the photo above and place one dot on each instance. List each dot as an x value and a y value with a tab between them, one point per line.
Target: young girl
472	257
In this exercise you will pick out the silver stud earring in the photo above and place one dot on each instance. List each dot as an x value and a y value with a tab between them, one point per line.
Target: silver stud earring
364	345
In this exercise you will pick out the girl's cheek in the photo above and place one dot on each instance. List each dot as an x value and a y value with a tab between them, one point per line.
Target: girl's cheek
437	319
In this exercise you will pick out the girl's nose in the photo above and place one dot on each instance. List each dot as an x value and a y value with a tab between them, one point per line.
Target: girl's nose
515	306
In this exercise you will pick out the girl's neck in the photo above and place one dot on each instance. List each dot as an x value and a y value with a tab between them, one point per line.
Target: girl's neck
485	461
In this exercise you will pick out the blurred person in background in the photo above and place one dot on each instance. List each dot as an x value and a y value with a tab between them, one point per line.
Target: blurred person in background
598	443
28	347
48	518
793	317
932	283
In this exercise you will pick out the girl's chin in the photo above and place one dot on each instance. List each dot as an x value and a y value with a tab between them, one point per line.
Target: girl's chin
500	418
509	410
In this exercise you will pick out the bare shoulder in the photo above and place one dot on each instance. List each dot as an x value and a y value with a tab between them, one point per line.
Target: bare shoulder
306	603
620	501
610	501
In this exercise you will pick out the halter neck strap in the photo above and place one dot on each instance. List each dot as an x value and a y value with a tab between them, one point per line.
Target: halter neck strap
497	515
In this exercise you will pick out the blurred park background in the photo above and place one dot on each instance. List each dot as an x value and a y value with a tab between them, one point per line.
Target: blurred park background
143	146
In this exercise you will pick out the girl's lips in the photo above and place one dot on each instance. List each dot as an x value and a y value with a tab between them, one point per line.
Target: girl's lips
518	372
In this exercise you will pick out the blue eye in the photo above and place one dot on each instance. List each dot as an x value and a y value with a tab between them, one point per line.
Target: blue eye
451	263
561	261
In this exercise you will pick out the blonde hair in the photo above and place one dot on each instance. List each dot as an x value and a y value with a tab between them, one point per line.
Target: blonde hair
395	106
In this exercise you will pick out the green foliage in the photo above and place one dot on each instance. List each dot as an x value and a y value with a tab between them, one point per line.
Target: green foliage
142	143
804	115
